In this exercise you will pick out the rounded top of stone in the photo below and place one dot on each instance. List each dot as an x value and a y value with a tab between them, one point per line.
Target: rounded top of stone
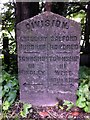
47	14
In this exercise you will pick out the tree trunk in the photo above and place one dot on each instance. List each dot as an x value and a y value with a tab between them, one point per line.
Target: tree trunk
48	6
25	10
87	30
6	52
58	7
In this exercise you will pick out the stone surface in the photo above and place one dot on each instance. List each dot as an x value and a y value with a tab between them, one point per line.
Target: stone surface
48	59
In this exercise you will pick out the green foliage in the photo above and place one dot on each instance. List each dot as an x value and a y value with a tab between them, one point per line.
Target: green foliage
8	29
8	19
83	92
10	89
25	110
68	104
6	105
75	12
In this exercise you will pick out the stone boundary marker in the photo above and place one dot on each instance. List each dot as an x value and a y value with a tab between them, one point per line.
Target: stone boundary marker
48	59
50	0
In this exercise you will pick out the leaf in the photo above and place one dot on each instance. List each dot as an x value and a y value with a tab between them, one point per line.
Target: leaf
68	104
80	91
82	99
9	89
12	96
85	89
9	85
6	76
87	95
6	89
14	82
81	102
87	109
23	114
25	110
6	105
69	107
27	106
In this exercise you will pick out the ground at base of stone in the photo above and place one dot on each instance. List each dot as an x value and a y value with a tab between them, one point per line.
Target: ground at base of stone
46	113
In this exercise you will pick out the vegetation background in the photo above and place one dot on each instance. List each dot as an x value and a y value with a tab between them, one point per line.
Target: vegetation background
13	13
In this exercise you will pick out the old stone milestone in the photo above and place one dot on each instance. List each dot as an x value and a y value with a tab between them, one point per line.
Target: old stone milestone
48	59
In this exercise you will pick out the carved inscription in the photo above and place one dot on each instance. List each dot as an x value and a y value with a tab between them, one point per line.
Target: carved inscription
48	58
47	23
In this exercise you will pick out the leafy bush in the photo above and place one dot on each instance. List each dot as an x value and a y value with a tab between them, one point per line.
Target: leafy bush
83	92
9	89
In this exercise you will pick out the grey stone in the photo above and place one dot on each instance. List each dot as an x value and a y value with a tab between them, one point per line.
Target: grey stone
48	59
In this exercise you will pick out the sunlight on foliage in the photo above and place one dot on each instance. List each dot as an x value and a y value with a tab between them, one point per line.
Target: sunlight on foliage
83	92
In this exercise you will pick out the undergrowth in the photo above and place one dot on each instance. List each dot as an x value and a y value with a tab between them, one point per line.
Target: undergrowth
10	88
83	91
